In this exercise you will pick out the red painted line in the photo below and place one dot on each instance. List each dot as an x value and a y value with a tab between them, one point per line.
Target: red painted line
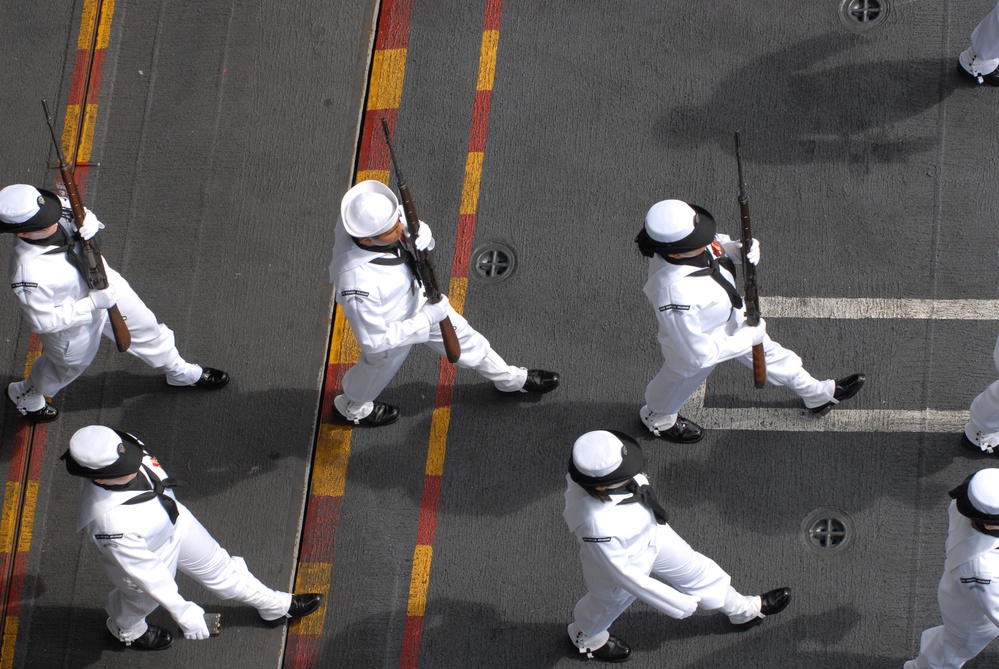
494	11
480	121
413	632
428	511
395	19
322	520
303	651
96	75
374	153
79	78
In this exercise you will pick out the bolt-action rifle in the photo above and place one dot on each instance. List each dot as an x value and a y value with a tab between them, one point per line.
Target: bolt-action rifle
92	267
424	260
749	271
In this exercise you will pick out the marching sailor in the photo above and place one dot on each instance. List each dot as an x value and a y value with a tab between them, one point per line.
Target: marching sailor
144	535
691	288
968	593
623	538
68	317
389	313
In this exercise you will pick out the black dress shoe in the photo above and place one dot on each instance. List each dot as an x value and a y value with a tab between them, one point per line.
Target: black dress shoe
683	431
211	379
771	603
46	414
154	638
614	650
540	382
845	389
972	446
301	605
381	414
775	601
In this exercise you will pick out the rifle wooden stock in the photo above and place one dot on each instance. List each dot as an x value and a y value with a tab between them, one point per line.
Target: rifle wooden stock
97	277
752	298
424	259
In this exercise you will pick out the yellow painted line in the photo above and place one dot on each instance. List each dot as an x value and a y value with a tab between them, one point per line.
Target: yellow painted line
387	72
312	577
487	60
420	580
87	25
69	126
87	137
9	642
343	347
438	440
375	175
104	29
473	177
27	517
456	293
10	498
329	473
32	356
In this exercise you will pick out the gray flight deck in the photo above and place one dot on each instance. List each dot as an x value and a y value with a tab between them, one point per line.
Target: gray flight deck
227	134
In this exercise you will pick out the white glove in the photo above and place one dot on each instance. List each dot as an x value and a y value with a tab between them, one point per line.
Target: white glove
757	332
192	622
104	299
436	312
734	249
91	226
424	238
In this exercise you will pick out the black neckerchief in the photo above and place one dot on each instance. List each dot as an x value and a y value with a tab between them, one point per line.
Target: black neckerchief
644	495
158	491
402	256
60	239
712	267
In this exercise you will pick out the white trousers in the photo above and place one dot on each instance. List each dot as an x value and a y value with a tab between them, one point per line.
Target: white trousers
669	391
194	552
67	354
367	379
982	427
963	635
676	563
985	36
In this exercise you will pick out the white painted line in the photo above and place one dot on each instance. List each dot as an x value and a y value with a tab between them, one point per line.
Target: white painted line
857	308
837	420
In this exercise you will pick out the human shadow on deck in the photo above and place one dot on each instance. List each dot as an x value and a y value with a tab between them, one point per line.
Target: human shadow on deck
803	103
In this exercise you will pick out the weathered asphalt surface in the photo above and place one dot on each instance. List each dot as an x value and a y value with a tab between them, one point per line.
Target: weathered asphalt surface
871	168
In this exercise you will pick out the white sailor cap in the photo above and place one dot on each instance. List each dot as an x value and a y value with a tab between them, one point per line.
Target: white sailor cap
983	491
24	208
369	209
605	457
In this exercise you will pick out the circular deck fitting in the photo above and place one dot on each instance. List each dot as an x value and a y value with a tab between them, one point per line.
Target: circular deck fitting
827	531
493	262
863	14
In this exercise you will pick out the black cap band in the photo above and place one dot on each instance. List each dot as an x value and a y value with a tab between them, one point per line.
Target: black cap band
127	463
966	508
702	235
632	461
49	212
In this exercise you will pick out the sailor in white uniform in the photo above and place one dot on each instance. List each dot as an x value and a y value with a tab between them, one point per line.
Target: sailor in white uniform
144	535
389	313
68	317
981	432
968	594
702	322
981	59
623	538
